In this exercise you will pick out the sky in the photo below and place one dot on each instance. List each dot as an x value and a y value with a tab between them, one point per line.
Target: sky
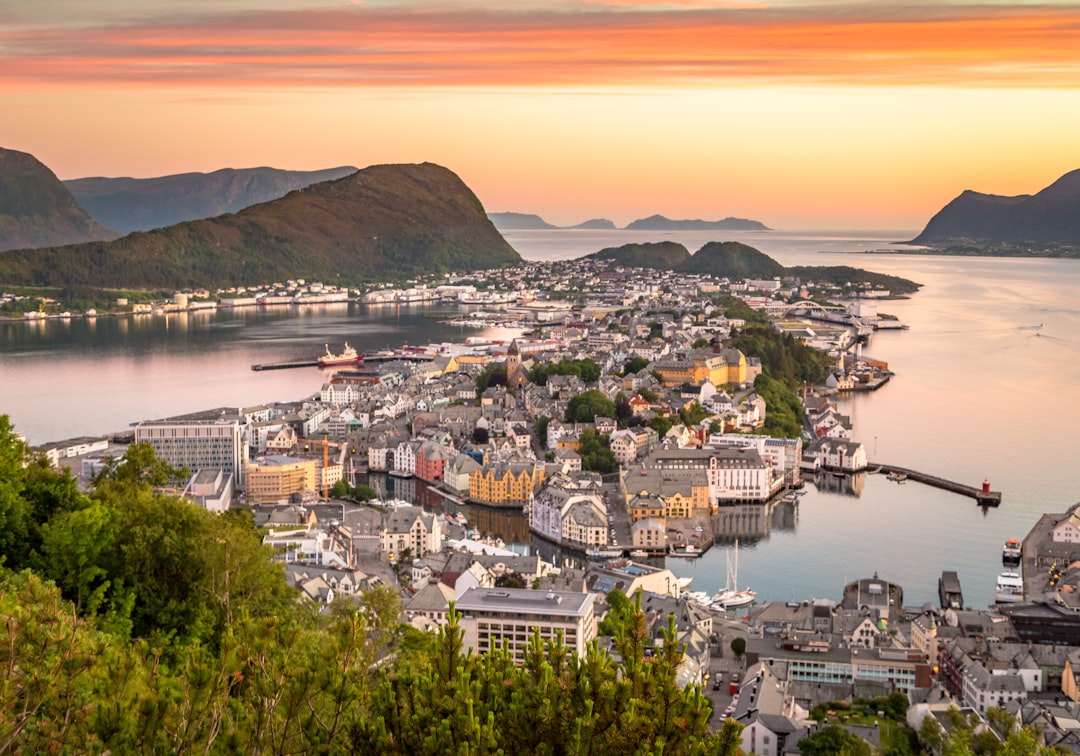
800	114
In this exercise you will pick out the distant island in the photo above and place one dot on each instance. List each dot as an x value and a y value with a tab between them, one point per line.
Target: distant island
530	222
386	222
660	223
737	262
142	204
1046	224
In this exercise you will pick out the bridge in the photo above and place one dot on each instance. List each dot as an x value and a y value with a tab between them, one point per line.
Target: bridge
830	314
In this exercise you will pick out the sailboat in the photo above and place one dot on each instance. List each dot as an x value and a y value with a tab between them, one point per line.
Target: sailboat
731	597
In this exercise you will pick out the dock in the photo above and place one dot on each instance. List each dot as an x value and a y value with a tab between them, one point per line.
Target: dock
285	365
982	496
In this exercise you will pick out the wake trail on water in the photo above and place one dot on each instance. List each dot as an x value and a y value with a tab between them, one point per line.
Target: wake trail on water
1056	339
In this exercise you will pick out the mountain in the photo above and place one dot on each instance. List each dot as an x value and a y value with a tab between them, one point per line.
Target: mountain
36	210
531	222
519	222
1050	217
738	262
733	260
130	204
381	223
660	223
659	255
596	224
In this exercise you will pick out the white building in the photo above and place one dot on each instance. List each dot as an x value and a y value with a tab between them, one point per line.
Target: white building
736	475
410	528
494	617
197	444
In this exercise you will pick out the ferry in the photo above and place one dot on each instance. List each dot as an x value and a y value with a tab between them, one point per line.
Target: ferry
1010	554
348	355
1010	588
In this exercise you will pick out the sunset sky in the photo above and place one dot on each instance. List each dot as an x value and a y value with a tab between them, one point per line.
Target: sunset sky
798	114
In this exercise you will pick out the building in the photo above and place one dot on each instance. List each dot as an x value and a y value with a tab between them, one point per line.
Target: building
410	528
817	661
564	513
275	478
734	475
506	483
492	618
219	443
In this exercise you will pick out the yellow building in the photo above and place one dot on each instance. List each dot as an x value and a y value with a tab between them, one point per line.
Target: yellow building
725	366
674	496
676	505
506	483
275	478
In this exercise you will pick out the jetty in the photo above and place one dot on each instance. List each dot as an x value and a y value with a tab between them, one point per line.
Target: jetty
983	495
285	365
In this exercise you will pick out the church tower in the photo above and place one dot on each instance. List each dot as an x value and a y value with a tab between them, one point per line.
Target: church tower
515	375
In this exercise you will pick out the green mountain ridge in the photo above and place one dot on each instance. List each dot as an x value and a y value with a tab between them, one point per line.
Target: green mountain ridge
380	223
142	204
36	210
737	262
666	255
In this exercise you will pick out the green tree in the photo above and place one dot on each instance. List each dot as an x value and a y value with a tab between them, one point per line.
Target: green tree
492	375
140	464
596	454
540	429
340	489
588	405
832	740
364	492
931	734
635	365
738	646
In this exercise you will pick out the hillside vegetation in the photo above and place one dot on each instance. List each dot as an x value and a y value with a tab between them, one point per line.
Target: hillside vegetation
36	210
137	622
384	222
664	255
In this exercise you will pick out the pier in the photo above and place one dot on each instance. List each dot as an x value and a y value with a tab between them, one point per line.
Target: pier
285	365
982	497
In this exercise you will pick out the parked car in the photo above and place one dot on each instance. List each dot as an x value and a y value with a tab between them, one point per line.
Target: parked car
718	681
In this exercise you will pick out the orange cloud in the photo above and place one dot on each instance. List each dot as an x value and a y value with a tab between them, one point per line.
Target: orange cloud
604	46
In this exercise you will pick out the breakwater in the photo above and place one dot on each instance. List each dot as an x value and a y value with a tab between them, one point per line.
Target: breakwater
982	495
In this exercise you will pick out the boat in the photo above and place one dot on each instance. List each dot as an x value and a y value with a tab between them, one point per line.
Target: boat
1011	553
685	550
899	477
348	355
730	597
949	591
1010	588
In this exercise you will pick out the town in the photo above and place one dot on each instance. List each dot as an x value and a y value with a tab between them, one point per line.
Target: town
625	423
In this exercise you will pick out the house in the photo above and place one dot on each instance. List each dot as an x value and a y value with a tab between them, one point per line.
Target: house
410	528
431	602
565	513
838	454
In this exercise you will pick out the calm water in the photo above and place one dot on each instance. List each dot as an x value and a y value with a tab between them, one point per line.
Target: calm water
975	396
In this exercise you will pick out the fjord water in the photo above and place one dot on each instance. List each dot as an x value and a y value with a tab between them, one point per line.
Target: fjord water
977	394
